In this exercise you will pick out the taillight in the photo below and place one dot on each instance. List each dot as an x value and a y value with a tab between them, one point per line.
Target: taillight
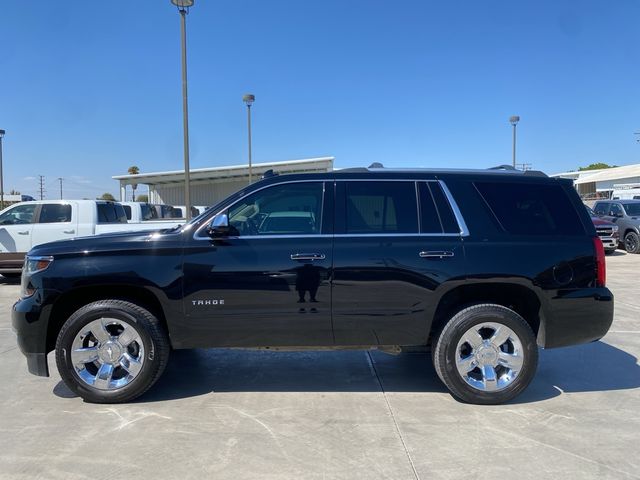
601	266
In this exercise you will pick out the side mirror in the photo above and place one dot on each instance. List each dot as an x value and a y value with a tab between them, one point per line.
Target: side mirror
219	226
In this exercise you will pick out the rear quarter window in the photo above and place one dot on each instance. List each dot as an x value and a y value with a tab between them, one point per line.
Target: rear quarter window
531	209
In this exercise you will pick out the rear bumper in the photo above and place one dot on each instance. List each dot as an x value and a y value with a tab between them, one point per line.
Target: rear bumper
573	317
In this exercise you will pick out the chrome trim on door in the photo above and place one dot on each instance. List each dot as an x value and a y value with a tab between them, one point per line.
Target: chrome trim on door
436	254
464	231
308	256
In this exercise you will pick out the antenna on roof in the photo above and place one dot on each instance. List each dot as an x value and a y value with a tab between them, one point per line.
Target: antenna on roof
268	174
376	165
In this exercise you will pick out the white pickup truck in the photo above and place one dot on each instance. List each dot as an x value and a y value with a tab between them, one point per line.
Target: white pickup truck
27	224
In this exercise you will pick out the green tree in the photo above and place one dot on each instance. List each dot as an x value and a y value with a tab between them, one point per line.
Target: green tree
107	196
133	170
142	198
596	166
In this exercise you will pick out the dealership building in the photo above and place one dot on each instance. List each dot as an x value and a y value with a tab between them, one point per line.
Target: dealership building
592	184
210	185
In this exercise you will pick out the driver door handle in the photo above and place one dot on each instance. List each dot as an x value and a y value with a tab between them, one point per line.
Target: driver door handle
308	256
24	233
69	231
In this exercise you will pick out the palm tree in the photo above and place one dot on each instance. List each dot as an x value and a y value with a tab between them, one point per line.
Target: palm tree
133	170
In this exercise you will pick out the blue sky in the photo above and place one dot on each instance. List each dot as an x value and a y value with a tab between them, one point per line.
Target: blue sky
89	88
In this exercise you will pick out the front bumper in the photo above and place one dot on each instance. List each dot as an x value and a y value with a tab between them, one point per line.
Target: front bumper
29	320
573	317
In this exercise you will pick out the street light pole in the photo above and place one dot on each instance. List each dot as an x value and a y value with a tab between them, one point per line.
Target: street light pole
248	99
514	121
1	177
183	6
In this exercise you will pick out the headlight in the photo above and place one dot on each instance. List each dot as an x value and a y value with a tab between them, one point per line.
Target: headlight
32	265
36	264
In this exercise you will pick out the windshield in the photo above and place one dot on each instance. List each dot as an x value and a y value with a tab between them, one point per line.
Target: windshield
590	211
632	209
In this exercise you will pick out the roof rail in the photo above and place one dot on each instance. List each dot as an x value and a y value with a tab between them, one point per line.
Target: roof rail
502	167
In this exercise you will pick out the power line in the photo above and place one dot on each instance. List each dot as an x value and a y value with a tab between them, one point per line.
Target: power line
42	190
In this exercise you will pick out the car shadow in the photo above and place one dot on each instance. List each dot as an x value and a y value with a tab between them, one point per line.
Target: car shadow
594	367
587	368
9	280
617	253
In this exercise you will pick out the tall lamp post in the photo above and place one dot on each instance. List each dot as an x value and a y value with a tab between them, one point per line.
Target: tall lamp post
183	8
1	177
514	121
248	99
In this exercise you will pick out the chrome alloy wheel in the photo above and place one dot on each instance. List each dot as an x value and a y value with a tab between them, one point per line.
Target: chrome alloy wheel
107	353
489	356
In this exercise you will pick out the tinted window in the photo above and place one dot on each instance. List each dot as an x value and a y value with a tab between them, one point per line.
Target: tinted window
381	207
429	218
601	208
288	209
531	209
55	213
111	213
148	212
632	209
18	215
448	219
615	210
127	211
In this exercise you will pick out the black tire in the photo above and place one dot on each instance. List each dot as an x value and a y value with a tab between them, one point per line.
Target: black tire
154	340
445	353
632	242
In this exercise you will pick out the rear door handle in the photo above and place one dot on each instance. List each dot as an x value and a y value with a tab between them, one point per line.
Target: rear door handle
436	254
23	233
69	231
307	256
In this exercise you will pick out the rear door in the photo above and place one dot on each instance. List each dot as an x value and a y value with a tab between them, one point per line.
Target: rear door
393	249
55	222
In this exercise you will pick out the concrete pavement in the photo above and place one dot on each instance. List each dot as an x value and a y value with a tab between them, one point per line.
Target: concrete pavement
235	414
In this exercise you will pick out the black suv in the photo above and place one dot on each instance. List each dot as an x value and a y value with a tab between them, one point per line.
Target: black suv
482	266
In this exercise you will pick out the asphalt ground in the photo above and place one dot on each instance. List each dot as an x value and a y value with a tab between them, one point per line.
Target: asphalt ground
314	415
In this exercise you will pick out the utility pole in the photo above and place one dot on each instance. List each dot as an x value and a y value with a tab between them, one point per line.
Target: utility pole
41	179
60	180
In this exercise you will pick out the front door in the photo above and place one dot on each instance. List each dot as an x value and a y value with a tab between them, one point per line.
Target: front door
16	227
266	283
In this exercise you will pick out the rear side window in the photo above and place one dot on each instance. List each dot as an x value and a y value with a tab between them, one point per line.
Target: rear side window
148	212
381	207
55	213
127	211
111	213
529	209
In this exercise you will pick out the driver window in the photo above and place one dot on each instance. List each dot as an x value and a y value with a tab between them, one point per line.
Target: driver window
288	209
18	215
615	209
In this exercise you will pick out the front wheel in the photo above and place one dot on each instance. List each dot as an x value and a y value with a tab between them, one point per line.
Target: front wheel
111	351
486	354
632	242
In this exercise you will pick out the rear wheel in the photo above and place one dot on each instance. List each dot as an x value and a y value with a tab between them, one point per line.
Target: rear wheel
486	354
111	351
632	242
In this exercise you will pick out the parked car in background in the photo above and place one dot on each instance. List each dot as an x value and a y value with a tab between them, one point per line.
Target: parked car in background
149	212
181	209
629	193
481	266
607	231
29	224
626	215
